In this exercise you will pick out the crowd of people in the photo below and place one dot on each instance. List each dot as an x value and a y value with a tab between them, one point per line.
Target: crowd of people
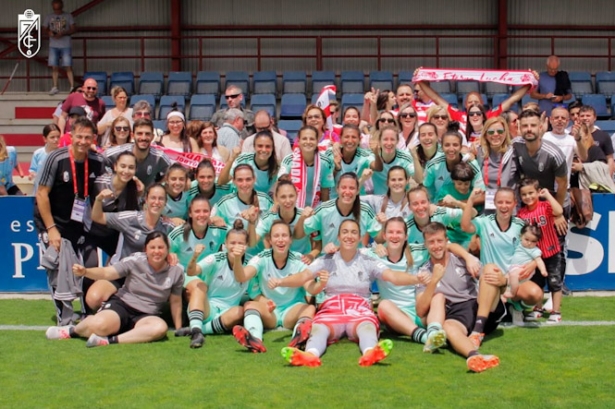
451	218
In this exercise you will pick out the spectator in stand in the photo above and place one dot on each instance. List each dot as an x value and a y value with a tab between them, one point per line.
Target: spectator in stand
408	127
229	134
553	86
59	26
176	138
563	139
51	135
94	107
334	109
8	162
592	169
404	94
316	117
120	132
587	116
234	97
58	112
264	122
421	103
377	101
120	98
74	114
512	120
207	139
573	110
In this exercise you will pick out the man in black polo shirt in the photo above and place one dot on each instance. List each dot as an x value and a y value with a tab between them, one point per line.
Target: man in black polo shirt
587	116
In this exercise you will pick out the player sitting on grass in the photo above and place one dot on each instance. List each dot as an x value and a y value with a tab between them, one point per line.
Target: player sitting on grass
274	307
346	310
525	252
132	314
451	280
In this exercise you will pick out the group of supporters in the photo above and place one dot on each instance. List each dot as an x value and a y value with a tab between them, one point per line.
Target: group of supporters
396	200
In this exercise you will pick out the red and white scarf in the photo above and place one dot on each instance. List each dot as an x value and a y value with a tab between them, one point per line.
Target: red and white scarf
508	77
191	159
299	174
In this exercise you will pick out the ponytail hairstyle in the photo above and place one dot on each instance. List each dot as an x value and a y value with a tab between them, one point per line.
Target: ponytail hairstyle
238	229
132	194
385	199
407	251
453	131
188	224
272	162
283	182
419	149
254	199
174	167
419	188
356	206
50	128
282	222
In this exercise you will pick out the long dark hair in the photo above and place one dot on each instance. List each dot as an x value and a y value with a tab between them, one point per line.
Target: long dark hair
205	164
182	135
407	251
385	199
356	206
157	234
254	200
419	149
188	224
132	194
272	162
50	128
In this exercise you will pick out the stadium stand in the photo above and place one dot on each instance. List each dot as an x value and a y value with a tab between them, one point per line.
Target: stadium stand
179	83
124	79
151	83
208	82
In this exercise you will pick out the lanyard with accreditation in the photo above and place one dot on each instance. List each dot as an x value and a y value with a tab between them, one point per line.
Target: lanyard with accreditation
490	193
79	205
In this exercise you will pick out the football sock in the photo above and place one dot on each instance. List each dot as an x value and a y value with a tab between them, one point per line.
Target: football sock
479	325
215	326
317	343
196	319
368	338
113	339
419	335
253	323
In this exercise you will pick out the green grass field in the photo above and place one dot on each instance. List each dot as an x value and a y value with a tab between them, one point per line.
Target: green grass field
561	367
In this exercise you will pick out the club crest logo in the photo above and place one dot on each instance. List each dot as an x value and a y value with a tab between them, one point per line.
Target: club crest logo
29	33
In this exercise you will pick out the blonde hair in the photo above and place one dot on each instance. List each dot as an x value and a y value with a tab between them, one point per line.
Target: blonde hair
3	151
483	135
434	110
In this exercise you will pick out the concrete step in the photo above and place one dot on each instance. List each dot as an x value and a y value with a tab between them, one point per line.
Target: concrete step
28	105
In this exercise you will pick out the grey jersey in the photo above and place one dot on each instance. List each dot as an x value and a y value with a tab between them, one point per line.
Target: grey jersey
353	277
548	163
146	290
457	285
149	170
134	230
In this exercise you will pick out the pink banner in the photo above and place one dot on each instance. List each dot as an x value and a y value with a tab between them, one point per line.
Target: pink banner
191	159
510	77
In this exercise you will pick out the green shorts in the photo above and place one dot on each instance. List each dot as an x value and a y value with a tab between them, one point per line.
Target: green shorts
216	308
411	312
280	312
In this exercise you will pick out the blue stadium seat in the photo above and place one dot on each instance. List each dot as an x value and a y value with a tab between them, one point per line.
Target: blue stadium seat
160	124
151	83
101	79
405	77
292	106
498	99
492	88
605	83
265	82
606	126
581	83
240	79
166	102
381	80
526	98
441	87
294	82
208	82
264	101
598	101
320	79
291	126
451	99
352	82
202	106
224	104
123	79
179	83
464	87
352	100
138	97
483	97
109	102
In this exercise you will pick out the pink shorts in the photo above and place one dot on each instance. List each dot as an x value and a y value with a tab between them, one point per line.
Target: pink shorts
343	313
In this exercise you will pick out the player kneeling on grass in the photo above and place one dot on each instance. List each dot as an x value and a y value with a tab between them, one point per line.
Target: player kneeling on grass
132	314
275	307
397	307
452	293
347	309
214	290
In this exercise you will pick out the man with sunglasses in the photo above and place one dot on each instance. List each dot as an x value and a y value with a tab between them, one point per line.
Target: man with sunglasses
234	96
94	107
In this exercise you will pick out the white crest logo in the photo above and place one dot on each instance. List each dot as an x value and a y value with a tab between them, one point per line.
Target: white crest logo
29	33
65	177
149	170
541	167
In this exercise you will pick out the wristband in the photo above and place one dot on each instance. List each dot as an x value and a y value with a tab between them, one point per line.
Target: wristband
50	227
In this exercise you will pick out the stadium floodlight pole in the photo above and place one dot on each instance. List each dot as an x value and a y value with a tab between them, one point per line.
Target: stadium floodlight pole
8	82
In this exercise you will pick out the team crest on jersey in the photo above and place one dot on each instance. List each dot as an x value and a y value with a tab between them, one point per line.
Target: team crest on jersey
460	271
149	170
521	160
65	177
211	245
167	282
220	277
137	235
541	167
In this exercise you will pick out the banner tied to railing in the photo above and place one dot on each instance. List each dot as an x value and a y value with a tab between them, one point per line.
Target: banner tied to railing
507	77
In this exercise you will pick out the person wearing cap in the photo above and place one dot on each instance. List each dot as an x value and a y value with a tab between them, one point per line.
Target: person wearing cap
176	137
73	115
229	134
234	97
94	107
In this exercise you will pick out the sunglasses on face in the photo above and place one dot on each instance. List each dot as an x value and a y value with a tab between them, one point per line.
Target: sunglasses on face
91	88
495	131
440	117
141	114
387	120
122	128
475	113
233	96
407	115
